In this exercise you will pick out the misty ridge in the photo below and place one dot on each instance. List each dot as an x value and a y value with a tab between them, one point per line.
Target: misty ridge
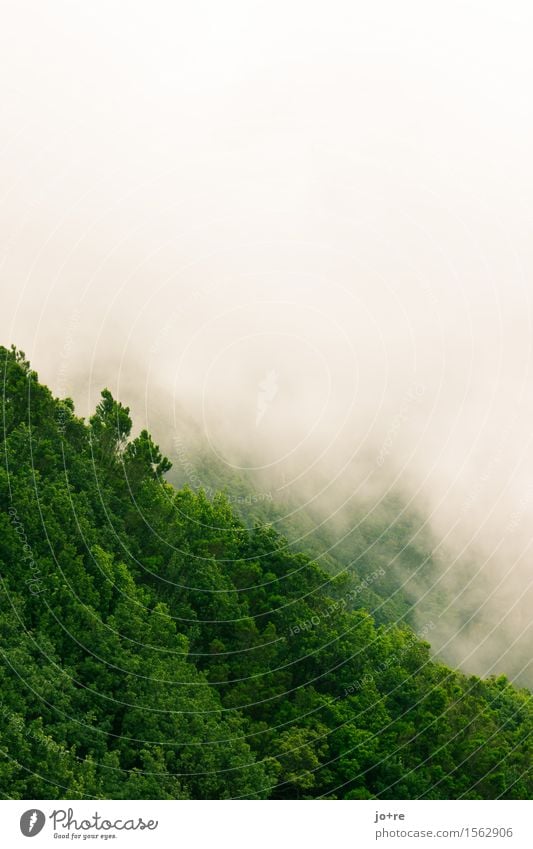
339	477
203	655
309	271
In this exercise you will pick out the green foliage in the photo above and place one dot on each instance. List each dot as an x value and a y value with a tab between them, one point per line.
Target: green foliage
110	427
154	646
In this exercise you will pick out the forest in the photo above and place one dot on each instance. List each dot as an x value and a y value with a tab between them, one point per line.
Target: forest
156	645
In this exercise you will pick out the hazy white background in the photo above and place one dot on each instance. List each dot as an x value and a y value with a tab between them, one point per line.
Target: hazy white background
307	225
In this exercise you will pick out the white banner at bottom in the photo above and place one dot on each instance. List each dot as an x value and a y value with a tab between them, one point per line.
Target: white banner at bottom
267	825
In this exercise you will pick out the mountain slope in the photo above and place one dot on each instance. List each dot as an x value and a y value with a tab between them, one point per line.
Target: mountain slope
153	646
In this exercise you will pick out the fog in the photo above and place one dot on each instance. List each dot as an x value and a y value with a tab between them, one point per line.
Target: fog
301	234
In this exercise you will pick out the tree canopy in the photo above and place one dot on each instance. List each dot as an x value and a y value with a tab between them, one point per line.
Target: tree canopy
154	646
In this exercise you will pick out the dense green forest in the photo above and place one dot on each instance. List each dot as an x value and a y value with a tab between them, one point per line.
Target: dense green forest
154	645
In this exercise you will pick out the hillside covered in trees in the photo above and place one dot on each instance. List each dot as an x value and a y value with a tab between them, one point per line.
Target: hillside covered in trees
154	646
